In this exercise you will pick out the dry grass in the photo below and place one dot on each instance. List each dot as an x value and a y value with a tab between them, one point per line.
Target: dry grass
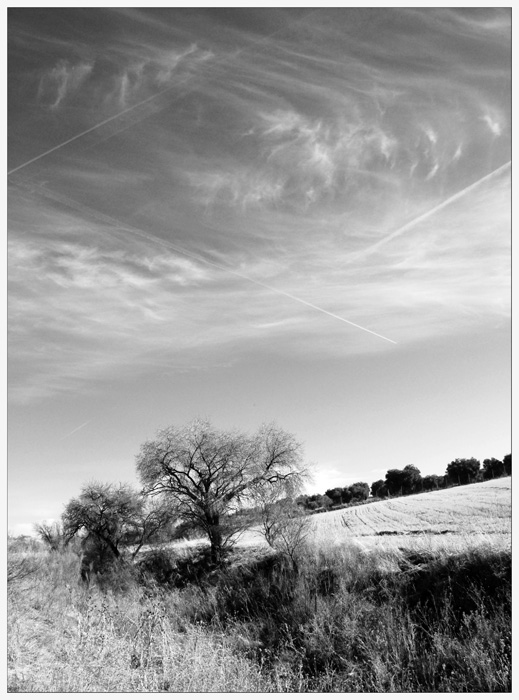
360	613
64	638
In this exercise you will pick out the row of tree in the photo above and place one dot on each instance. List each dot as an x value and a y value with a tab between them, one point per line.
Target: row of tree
359	491
406	481
402	482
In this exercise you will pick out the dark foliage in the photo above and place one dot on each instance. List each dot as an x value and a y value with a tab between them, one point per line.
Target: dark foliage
157	567
301	614
335	495
432	482
463	471
493	468
379	489
359	491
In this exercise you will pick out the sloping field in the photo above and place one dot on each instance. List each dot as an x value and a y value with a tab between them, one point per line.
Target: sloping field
448	519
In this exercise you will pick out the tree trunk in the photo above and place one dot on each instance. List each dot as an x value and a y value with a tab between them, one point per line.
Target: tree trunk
214	532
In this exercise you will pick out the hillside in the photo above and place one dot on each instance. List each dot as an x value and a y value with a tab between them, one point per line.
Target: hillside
449	518
424	610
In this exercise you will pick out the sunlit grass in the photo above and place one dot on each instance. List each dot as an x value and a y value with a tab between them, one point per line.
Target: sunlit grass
355	615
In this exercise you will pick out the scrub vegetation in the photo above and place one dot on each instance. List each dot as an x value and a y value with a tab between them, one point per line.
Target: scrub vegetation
353	607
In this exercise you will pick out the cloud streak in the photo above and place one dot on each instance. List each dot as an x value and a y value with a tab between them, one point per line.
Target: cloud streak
437	208
182	195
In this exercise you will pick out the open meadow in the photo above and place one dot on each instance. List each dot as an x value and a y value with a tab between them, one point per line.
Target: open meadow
409	594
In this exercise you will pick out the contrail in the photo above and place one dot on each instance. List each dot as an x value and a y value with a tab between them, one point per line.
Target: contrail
110	220
76	429
92	128
313	306
427	214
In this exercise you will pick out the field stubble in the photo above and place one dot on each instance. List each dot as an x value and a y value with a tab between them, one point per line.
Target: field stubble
444	521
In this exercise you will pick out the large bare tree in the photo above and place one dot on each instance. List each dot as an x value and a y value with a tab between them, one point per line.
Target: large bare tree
210	472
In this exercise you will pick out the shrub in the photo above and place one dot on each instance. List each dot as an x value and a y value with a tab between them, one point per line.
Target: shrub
157	567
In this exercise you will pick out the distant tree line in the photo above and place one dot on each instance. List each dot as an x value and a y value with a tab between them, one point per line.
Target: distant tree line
406	481
359	491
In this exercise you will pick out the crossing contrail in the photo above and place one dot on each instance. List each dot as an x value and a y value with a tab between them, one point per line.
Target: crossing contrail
110	220
427	214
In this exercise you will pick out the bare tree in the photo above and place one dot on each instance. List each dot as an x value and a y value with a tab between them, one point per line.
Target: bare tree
209	472
52	534
283	523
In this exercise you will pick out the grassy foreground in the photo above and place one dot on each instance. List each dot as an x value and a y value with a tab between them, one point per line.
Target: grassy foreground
343	619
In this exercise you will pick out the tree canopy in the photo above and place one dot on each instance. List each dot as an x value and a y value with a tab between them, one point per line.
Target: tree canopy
209	473
493	468
114	516
463	471
359	491
379	489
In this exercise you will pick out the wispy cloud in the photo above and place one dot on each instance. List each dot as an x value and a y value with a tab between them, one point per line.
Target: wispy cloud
215	191
62	81
116	77
493	124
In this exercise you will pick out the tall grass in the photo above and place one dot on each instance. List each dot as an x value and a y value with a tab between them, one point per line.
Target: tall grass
337	619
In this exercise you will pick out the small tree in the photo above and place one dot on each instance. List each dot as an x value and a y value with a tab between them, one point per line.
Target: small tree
283	522
52	534
208	473
411	480
432	482
113	518
104	512
463	471
395	481
288	533
347	494
493	468
378	489
507	461
359	491
335	495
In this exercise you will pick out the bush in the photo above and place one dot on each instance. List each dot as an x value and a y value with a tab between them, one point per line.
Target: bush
157	567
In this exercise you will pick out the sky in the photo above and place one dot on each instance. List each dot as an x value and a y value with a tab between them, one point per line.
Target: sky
256	215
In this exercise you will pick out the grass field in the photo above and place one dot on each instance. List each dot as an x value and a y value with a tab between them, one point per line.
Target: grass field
360	611
449	520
